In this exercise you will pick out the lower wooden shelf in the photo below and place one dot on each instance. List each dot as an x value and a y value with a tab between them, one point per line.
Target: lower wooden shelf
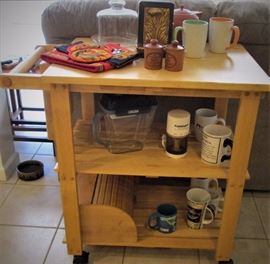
118	208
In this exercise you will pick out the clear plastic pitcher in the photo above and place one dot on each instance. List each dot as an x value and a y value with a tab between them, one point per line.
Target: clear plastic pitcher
123	126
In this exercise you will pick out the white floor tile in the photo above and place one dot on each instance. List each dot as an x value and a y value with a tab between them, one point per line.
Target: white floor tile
32	206
106	255
261	194
246	251
4	191
50	176
24	245
160	256
24	157
27	147
58	252
250	251
249	224
207	257
45	149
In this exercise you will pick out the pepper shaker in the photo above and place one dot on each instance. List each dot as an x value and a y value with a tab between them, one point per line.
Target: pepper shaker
174	58
153	54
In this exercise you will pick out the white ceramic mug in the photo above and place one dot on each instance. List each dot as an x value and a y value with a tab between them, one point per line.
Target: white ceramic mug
220	34
197	202
204	117
207	184
194	35
216	144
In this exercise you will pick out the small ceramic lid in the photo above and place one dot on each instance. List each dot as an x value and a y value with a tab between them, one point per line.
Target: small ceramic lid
186	12
153	44
175	46
182	14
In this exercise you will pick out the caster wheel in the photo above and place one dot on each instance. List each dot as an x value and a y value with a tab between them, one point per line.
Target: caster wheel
226	262
81	259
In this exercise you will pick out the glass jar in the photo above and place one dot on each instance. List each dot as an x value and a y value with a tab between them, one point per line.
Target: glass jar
117	24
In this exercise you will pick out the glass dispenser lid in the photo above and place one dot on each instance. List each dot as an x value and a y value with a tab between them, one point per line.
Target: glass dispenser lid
117	24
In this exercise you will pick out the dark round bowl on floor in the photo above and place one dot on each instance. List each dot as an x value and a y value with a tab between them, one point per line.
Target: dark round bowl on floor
30	170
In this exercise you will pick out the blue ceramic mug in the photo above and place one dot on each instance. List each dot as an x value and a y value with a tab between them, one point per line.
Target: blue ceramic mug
164	219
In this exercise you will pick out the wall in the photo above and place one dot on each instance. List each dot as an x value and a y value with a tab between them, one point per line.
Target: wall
20	20
8	157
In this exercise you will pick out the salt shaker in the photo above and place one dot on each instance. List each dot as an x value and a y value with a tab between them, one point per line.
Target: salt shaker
153	54
174	58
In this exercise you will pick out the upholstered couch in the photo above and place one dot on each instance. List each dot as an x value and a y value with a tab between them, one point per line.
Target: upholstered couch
62	21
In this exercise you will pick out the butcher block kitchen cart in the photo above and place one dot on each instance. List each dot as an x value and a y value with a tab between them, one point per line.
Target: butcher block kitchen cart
103	201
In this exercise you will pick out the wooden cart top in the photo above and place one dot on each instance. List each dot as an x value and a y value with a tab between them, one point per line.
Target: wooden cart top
234	71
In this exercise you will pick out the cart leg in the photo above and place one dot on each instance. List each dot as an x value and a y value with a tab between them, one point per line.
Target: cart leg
81	259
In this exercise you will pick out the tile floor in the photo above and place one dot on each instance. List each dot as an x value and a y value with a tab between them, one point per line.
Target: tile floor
32	229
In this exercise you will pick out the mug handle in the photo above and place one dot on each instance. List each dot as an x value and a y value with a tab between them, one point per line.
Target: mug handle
219	209
153	217
236	31
163	141
96	128
211	210
221	121
176	31
227	143
213	182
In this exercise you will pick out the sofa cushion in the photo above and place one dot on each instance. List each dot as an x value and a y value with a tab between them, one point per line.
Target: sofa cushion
63	21
252	17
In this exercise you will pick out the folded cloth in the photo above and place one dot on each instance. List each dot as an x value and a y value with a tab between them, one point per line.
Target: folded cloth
57	57
89	58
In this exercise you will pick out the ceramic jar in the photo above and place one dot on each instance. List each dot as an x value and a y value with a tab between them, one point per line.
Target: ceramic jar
182	14
153	54
174	58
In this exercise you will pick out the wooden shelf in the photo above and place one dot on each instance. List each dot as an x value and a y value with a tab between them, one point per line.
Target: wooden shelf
152	161
114	223
148	197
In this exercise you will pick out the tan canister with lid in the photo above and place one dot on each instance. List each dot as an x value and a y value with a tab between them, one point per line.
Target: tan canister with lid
174	58
153	54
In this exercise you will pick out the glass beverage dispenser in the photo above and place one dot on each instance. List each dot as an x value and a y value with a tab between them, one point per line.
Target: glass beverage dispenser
117	24
124	121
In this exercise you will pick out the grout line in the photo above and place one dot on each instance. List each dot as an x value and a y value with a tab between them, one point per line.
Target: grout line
50	246
44	154
124	254
30	226
260	217
22	183
59	223
199	256
11	189
37	150
250	237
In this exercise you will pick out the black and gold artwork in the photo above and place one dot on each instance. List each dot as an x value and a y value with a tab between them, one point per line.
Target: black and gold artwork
155	22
